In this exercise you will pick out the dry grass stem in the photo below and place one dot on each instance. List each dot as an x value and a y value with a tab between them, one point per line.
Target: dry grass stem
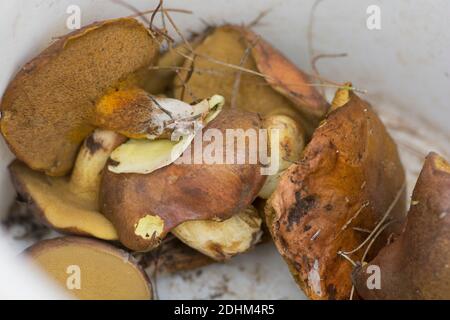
381	222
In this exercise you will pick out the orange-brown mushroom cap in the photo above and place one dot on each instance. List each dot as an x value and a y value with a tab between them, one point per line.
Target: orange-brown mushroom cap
349	176
270	83
416	266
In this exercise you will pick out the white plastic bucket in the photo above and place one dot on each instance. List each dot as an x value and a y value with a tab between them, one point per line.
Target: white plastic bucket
404	66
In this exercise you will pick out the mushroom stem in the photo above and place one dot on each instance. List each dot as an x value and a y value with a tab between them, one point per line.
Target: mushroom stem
91	160
221	240
286	141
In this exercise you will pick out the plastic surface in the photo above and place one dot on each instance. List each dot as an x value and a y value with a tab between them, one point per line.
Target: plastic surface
404	67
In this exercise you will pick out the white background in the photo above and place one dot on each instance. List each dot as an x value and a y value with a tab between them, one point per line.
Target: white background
405	67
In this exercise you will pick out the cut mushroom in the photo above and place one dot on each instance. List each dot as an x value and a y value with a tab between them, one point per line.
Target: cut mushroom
71	205
92	270
135	113
49	108
222	240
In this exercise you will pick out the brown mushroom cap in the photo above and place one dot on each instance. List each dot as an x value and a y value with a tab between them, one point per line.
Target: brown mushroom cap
180	192
48	109
348	177
285	90
416	265
285	77
105	272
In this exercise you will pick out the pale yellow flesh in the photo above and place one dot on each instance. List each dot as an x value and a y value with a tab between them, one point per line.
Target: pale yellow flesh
149	227
146	156
341	97
102	275
221	240
64	209
441	164
71	205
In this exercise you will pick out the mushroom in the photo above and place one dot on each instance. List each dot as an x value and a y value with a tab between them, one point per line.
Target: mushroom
288	136
160	78
71	204
348	178
91	269
415	266
145	207
284	89
173	256
221	240
49	108
145	156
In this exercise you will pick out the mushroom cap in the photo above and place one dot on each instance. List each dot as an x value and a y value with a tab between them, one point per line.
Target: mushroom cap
105	272
416	265
285	77
48	108
285	90
349	175
181	192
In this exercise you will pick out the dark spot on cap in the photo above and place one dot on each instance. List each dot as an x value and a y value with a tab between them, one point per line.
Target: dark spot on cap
329	207
283	242
331	290
306	228
297	266
305	259
300	208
